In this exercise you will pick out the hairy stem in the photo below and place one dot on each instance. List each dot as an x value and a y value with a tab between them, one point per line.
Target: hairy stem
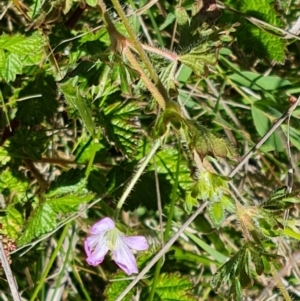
162	52
140	49
280	285
151	87
137	175
120	43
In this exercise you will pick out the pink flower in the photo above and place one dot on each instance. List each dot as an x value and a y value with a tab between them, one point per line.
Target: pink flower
105	236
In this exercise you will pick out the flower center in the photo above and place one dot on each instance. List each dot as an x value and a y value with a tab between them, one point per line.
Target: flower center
113	238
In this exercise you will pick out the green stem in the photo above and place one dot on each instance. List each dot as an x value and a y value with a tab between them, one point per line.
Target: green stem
137	175
115	36
151	87
51	261
155	27
140	49
168	228
135	41
120	43
280	285
93	154
65	264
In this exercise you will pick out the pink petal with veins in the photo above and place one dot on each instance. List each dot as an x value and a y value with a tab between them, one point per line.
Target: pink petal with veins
124	258
103	225
138	243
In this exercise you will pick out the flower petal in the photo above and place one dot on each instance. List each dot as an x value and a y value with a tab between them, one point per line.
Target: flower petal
138	243
124	258
95	249
103	225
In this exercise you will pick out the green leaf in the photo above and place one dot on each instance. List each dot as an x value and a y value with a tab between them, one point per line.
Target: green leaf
21	44
4	154
291	233
11	222
17	51
69	203
72	181
199	58
117	284
86	148
13	184
216	213
190	257
12	67
174	287
76	100
42	220
253	39
263	125
293	133
258	81
123	126
165	164
91	2
203	245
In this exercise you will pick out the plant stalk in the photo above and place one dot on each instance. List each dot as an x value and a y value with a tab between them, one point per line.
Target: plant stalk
140	49
137	175
168	228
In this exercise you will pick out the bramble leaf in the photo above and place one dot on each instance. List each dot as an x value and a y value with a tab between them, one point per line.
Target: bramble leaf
181	15
250	37
33	111
28	144
18	51
200	57
174	287
11	222
122	126
4	154
44	218
76	100
21	44
205	142
11	66
113	289
237	273
72	181
13	184
216	213
69	203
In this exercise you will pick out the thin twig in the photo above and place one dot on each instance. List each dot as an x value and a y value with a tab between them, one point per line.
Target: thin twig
159	207
264	138
161	252
9	275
